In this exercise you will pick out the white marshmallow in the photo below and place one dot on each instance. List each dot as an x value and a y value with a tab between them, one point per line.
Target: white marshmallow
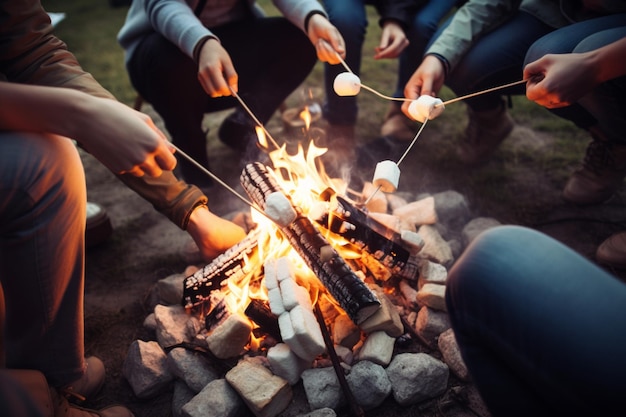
347	84
386	176
279	209
426	107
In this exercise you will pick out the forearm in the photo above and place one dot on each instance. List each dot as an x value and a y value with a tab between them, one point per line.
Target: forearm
43	109
610	60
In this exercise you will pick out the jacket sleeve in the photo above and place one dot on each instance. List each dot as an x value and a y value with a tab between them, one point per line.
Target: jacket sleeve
172	197
176	21
469	23
31	54
298	11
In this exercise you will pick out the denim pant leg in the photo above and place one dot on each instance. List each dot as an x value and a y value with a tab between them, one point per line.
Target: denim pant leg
496	59
42	226
605	106
423	27
541	329
350	18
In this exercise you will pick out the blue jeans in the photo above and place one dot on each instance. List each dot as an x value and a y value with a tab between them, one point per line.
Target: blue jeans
542	330
522	39
504	49
605	106
350	18
42	229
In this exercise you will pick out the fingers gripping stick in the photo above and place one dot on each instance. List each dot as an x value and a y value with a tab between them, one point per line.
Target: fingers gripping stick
426	107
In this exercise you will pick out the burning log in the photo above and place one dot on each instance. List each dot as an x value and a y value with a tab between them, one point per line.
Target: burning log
233	264
369	235
343	284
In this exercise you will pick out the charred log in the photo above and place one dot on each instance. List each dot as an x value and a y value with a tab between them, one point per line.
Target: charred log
358	301
383	243
259	312
231	265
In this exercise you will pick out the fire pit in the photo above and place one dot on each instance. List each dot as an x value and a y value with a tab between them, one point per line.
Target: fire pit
344	303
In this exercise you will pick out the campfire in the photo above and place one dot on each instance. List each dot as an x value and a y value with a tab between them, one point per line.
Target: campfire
331	285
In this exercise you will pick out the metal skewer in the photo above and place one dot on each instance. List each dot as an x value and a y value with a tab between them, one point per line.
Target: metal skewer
489	90
258	122
219	180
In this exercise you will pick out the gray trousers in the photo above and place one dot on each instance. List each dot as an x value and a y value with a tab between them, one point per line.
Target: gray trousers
42	228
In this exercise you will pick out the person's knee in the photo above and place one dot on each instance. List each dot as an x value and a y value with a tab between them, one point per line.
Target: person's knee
491	252
41	165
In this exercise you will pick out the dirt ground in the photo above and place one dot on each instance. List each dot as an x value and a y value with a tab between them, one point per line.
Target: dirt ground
146	247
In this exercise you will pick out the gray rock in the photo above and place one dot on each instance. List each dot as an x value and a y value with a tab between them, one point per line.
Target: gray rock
416	377
369	384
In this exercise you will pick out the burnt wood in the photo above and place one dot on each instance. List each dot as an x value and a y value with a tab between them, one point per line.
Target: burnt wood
352	294
231	265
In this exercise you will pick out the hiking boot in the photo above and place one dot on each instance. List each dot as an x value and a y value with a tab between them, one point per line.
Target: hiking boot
90	383
602	173
484	133
52	403
612	251
397	125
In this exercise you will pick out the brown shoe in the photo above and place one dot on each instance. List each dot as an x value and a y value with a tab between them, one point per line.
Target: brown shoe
602	173
484	133
52	403
90	383
612	251
397	125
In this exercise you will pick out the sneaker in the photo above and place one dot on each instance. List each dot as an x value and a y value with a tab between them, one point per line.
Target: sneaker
484	133
98	227
612	252
397	125
602	173
90	383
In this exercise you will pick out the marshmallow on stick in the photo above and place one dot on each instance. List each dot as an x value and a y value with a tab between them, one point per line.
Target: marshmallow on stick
347	84
279	209
426	107
387	176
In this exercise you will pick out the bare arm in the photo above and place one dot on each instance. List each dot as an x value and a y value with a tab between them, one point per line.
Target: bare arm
560	80
124	140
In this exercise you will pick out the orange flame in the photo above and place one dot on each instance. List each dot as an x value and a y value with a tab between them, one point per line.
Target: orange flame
260	133
306	116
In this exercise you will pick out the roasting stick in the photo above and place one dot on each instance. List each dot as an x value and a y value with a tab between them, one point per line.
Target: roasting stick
417	135
489	90
222	183
243	104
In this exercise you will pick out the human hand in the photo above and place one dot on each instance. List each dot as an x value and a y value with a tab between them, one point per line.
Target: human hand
426	80
212	234
215	70
560	80
123	139
393	40
326	39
